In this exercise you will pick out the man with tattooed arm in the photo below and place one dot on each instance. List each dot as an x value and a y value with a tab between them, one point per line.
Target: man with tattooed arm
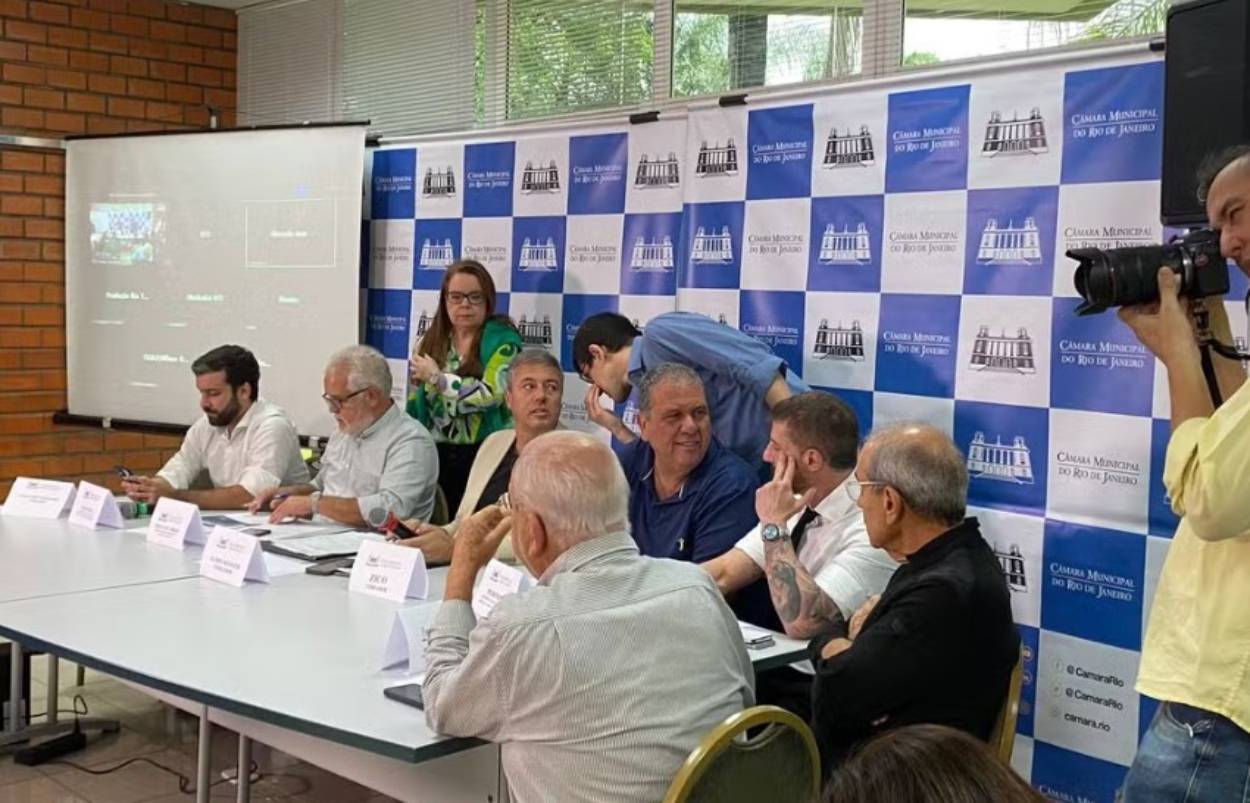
810	543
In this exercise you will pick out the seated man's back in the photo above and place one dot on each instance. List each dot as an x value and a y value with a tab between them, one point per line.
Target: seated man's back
598	682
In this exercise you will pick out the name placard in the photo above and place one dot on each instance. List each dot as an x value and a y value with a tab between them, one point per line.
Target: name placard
38	499
389	571
175	524
405	646
94	506
498	581
231	557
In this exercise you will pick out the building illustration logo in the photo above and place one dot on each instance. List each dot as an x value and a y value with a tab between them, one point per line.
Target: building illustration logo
720	318
844	246
656	171
436	255
540	178
717	159
1013	245
652	256
849	149
1000	461
438	183
423	324
839	343
535	332
1014	137
711	248
1012	564
1003	352
538	255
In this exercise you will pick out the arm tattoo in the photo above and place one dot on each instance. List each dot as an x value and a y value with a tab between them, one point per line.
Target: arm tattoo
785	591
805	609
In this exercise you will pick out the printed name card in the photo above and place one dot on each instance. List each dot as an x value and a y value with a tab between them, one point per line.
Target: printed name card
389	571
175	524
95	506
231	557
405	646
38	499
498	581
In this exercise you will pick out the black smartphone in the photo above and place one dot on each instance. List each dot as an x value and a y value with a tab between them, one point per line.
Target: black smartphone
122	471
408	694
325	568
256	531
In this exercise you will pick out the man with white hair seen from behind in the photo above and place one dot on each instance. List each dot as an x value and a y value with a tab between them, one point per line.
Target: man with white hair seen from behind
600	681
379	460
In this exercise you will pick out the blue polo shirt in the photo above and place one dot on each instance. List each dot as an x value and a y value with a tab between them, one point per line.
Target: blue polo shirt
736	370
713	510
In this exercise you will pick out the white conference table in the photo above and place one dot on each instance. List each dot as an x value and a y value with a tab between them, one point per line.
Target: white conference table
294	663
42	558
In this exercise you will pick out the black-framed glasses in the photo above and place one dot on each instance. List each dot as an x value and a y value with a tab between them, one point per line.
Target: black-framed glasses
336	403
855	486
475	298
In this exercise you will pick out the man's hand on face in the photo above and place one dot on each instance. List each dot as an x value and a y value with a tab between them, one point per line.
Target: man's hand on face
775	501
476	542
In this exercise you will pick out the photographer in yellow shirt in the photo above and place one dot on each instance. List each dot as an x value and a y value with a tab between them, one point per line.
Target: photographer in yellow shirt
1196	657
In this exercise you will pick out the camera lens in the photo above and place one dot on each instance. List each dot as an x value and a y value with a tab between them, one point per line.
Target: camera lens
1120	276
1123	276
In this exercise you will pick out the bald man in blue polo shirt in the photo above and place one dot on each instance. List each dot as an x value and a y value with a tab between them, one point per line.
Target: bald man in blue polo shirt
690	498
742	377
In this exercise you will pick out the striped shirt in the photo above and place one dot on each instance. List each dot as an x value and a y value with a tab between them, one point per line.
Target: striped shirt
598	682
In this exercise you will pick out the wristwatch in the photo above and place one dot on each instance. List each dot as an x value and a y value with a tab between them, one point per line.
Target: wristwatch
314	501
773	532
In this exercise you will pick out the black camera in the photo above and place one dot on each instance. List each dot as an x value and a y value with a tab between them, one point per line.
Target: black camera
1118	277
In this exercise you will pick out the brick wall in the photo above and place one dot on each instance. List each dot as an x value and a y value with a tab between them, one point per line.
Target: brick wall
82	67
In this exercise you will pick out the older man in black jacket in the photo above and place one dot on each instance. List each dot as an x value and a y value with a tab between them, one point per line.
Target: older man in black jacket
939	645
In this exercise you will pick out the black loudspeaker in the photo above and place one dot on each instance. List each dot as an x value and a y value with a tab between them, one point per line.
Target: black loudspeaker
1205	105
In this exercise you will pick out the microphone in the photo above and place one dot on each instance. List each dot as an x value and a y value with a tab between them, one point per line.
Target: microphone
387	522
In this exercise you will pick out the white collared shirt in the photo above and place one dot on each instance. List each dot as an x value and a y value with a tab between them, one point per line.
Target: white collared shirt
262	452
391	467
835	551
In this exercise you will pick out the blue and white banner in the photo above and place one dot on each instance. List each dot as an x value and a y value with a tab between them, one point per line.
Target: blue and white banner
901	248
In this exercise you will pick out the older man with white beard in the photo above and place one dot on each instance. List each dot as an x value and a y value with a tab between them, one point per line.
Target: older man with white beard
379	461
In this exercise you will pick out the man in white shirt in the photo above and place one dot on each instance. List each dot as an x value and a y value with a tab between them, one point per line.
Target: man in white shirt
598	682
245	444
813	550
380	461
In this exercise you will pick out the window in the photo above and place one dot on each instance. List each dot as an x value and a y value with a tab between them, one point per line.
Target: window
452	65
716	51
567	56
946	30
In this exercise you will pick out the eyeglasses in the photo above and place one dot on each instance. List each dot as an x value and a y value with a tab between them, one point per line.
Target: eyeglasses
855	486
474	298
583	371
335	403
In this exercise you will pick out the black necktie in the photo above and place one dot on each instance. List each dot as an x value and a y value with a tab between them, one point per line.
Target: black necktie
796	536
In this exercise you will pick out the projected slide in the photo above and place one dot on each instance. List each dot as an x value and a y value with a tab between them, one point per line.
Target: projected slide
178	243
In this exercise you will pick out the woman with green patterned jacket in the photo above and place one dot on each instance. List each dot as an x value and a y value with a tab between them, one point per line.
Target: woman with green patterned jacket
459	371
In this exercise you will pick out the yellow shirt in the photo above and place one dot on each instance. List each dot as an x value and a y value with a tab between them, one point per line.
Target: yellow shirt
1197	649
